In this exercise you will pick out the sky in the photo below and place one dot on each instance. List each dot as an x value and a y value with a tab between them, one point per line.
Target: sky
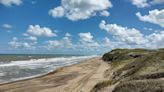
79	26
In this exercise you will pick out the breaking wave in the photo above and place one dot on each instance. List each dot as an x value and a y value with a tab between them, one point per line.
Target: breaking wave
18	70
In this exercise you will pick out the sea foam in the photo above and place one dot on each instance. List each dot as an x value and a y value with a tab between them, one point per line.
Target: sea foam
18	70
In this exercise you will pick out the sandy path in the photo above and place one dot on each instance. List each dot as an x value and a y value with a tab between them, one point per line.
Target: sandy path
76	78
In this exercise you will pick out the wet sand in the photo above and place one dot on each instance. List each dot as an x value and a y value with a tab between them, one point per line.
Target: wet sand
81	77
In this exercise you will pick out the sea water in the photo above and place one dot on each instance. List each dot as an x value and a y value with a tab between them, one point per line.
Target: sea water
24	69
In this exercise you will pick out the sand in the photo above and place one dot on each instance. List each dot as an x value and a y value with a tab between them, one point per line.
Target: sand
81	77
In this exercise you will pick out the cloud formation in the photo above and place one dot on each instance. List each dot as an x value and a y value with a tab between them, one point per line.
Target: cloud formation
155	16
7	26
140	3
32	38
104	13
87	42
124	34
80	9
146	3
17	44
9	3
64	43
57	12
157	2
86	37
133	37
36	30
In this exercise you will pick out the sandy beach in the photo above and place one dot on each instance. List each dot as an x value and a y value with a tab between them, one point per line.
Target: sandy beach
81	77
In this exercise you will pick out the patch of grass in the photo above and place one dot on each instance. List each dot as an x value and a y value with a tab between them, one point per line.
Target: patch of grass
119	65
141	86
148	76
130	68
98	87
124	54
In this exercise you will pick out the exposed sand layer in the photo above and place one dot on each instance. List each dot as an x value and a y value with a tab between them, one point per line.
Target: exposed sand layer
76	78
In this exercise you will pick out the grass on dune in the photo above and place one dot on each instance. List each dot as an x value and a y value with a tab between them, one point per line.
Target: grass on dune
136	70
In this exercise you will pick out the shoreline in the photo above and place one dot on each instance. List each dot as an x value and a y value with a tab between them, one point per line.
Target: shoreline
37	66
46	74
62	77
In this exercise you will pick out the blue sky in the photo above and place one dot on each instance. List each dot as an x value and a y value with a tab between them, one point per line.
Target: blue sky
80	26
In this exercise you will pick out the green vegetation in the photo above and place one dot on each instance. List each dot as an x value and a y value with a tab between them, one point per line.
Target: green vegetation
141	86
136	70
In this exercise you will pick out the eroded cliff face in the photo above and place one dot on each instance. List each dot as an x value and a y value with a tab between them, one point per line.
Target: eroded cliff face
133	70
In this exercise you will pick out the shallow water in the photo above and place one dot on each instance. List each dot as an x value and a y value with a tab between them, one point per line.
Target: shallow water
18	70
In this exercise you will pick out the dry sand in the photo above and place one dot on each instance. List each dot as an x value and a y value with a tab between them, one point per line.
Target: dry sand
76	78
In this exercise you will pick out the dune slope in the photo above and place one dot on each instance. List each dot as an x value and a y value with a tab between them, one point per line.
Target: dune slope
133	70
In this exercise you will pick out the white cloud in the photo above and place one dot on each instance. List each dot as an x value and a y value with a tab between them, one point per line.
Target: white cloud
86	42
36	30
157	2
90	46
155	40
123	34
16	44
131	37
9	3
32	38
57	12
86	37
68	35
104	13
79	9
140	3
65	43
7	26
146	3
107	43
155	16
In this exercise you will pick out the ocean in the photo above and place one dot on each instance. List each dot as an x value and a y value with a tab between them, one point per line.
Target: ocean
18	67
